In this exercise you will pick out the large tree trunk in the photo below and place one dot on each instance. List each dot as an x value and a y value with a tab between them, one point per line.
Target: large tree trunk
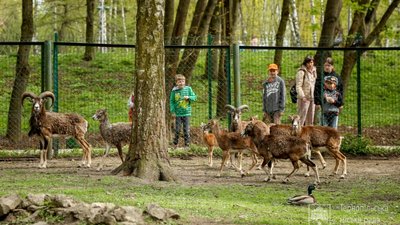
215	33
189	58
331	20
22	72
169	20
147	157
366	40
280	35
222	98
89	50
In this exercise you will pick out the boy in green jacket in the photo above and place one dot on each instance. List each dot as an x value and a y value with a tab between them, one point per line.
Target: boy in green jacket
179	103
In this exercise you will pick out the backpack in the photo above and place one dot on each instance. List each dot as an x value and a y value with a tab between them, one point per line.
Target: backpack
293	92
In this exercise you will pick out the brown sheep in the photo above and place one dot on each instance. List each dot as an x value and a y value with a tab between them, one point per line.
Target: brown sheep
51	124
272	147
117	134
231	142
321	136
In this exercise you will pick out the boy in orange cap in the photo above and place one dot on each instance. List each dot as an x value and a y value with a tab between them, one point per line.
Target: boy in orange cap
274	96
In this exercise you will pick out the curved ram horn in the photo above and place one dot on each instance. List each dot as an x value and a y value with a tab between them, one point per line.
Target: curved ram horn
27	95
243	107
230	107
48	94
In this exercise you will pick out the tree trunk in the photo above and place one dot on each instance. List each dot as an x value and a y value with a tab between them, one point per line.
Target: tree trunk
64	23
22	72
169	21
313	24
124	23
147	156
331	20
280	35
89	50
215	33
358	20
189	58
172	54
295	22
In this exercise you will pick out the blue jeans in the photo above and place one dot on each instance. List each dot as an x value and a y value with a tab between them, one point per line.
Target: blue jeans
185	121
330	120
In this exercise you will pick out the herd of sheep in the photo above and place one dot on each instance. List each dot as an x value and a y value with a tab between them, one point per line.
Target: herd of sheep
270	142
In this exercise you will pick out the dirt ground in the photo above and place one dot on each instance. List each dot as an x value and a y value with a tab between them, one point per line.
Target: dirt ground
195	171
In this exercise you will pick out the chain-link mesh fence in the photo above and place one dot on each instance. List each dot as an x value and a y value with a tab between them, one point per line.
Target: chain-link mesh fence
108	80
371	101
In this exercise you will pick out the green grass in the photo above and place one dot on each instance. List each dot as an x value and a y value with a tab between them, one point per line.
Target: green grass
232	204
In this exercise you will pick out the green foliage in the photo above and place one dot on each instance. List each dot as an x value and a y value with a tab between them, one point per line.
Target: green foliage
355	145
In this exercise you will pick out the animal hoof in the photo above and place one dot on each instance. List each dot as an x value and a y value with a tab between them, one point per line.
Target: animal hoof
285	181
307	174
342	176
267	179
274	177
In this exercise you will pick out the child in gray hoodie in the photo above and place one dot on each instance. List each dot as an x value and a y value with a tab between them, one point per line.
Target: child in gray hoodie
274	96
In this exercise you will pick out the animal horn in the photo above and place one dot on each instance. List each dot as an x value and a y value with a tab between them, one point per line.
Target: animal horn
230	108
27	95
243	107
47	94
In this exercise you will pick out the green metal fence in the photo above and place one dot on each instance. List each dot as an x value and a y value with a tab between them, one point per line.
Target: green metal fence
372	104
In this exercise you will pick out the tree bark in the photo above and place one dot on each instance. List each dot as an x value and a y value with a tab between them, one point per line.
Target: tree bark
89	50
350	57
215	33
169	20
172	54
331	20
189	58
147	156
295	22
280	34
22	73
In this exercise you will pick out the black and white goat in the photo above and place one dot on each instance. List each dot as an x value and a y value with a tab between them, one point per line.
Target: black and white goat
47	124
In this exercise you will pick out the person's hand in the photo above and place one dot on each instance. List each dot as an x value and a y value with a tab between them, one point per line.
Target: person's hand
340	109
304	99
173	116
280	113
186	97
330	100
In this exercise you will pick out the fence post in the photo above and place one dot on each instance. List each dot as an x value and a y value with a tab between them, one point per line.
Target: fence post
359	127
47	79
236	74
56	143
209	76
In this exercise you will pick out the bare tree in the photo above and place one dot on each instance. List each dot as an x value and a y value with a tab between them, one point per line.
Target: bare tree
331	22
22	73
189	58
215	34
172	54
147	156
89	50
295	23
280	35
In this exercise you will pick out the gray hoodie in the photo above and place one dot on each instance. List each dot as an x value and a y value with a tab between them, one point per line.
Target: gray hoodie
274	94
